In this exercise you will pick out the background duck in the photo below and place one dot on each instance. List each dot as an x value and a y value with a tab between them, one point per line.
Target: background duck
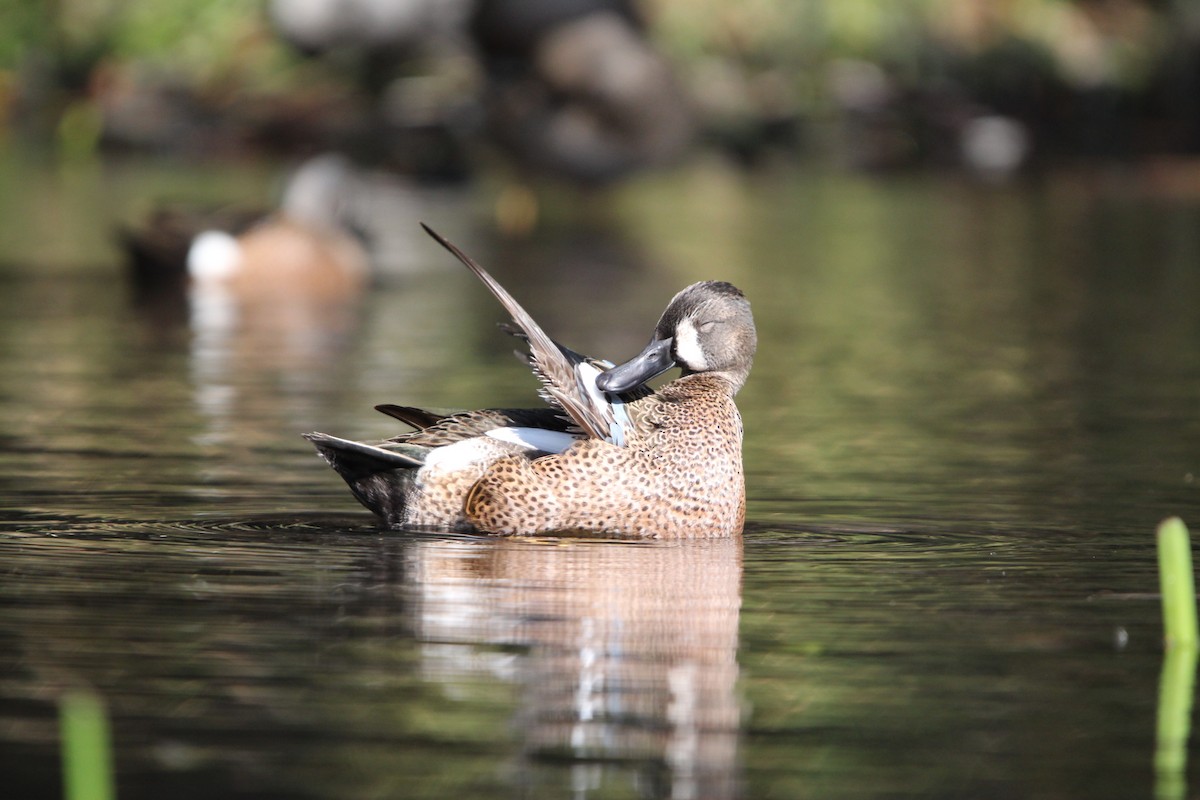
306	246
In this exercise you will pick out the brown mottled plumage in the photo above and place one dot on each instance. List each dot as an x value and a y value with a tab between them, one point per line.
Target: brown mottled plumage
679	475
610	456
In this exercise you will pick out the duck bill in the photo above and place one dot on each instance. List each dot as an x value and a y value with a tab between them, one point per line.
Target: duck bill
650	363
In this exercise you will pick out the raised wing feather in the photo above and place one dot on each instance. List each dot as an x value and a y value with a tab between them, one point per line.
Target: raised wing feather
563	384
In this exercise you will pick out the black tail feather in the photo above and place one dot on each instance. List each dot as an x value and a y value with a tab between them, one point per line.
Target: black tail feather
356	459
380	479
418	418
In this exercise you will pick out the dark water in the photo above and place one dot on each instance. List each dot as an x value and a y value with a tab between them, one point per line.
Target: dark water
969	411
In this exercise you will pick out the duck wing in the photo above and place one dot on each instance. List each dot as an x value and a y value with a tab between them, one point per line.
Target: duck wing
455	427
568	378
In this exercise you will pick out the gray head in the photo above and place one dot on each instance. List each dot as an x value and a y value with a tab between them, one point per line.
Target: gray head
707	328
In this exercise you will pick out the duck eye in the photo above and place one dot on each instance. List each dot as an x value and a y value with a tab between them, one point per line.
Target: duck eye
706	327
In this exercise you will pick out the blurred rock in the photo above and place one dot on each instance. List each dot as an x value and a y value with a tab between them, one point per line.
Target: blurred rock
575	90
321	25
994	146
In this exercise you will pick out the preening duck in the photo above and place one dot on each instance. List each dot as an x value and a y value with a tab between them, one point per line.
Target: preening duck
606	455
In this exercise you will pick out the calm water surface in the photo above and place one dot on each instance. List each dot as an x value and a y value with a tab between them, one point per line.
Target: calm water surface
969	410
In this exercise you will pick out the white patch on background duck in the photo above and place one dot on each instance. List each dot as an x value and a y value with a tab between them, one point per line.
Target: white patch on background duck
214	256
687	347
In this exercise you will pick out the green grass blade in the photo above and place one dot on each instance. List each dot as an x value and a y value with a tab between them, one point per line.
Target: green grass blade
1177	684
86	753
1176	582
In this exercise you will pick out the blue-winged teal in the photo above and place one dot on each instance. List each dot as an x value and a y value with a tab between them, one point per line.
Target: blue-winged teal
610	455
303	249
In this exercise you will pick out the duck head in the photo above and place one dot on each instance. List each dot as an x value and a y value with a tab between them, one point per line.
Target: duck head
707	328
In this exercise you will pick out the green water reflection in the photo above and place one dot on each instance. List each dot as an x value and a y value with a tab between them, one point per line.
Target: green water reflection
969	409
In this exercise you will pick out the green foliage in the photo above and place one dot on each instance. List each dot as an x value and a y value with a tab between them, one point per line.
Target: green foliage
197	39
23	23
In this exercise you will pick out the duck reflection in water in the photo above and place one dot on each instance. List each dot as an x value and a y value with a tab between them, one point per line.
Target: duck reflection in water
628	659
